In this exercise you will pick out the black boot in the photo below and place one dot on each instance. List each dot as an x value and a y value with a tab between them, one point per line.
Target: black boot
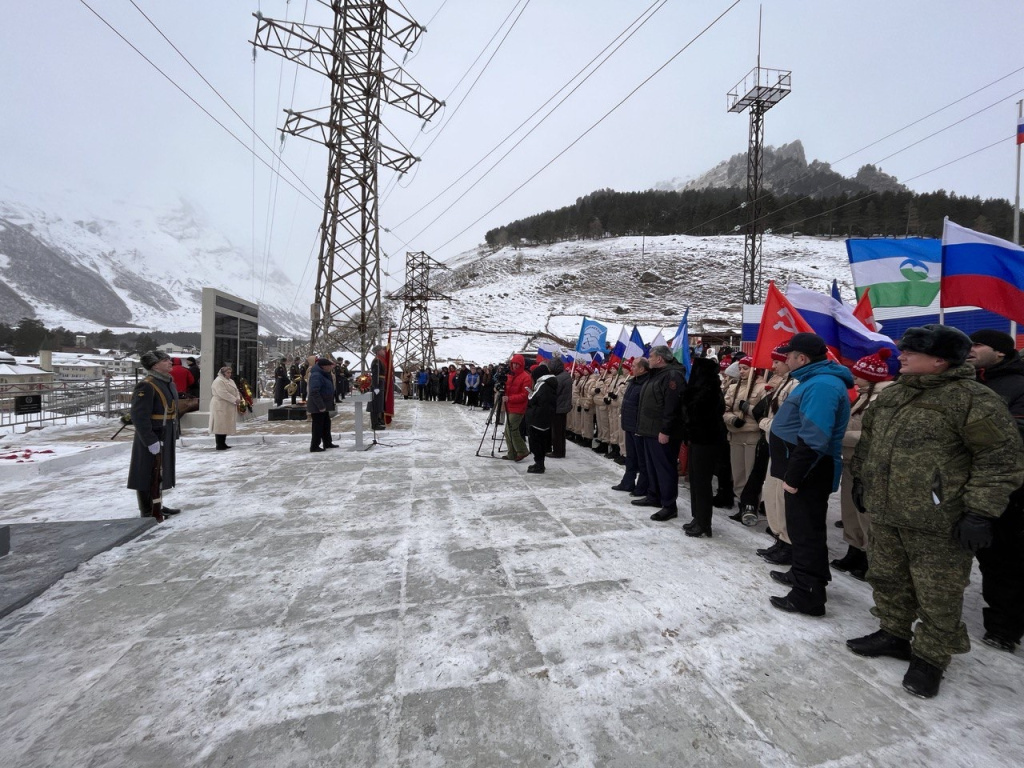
614	453
601	448
722	501
880	643
697	531
854	562
782	556
222	442
922	678
145	504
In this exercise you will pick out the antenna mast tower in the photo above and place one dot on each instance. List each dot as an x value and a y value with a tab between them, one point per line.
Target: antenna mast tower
415	342
346	312
760	90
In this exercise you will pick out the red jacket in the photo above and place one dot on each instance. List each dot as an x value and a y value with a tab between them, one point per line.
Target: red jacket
182	376
451	380
517	386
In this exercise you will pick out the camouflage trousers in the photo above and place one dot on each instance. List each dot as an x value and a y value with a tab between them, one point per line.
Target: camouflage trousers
918	575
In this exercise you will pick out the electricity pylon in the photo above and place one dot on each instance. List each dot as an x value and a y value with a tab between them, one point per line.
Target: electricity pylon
415	343
346	311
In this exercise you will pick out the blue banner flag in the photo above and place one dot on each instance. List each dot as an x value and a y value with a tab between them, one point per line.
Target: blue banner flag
592	338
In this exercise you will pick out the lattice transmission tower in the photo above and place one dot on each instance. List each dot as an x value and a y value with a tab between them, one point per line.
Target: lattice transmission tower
415	343
760	90
346	311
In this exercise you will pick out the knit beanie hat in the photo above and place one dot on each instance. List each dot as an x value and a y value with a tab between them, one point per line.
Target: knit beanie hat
874	367
999	341
777	355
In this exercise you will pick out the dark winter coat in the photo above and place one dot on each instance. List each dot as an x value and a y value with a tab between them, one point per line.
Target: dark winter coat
320	394
154	415
193	391
540	410
660	410
703	401
564	403
1007	381
631	402
280	382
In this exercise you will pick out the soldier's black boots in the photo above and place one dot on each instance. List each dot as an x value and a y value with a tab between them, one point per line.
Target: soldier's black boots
880	643
854	562
922	678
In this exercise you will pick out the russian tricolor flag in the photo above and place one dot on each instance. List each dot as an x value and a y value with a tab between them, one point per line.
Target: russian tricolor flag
980	270
1020	130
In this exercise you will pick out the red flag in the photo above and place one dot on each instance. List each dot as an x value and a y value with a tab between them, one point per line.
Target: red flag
389	384
779	322
865	312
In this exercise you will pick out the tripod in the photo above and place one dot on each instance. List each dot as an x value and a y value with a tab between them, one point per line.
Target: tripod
497	418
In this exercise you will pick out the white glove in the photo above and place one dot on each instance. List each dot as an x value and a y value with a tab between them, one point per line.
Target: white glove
376	391
154	448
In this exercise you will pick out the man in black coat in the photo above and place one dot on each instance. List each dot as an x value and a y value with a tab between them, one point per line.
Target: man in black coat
378	386
634	479
154	415
280	382
660	426
563	405
703	406
540	413
193	368
1000	368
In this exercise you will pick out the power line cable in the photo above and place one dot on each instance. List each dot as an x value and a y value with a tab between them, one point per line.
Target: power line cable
808	173
579	138
193	100
827	187
649	13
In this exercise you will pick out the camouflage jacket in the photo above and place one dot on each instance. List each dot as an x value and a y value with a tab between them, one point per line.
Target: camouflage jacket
935	446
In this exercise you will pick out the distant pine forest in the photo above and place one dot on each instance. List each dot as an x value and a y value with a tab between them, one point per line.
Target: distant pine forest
607	213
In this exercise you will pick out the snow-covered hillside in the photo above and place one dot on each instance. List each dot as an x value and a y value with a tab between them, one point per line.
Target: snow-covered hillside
113	264
502	299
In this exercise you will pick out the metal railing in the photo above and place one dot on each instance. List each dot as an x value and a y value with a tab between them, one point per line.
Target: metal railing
64	402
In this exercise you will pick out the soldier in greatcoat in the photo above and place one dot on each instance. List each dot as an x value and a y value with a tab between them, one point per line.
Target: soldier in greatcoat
154	413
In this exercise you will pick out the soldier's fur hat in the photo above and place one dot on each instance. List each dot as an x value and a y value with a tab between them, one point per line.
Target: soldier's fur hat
942	341
149	359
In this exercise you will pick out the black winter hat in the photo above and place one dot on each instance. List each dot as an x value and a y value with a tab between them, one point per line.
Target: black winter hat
999	341
810	344
943	341
149	359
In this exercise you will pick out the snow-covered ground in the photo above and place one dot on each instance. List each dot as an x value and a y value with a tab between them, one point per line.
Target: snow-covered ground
500	300
417	606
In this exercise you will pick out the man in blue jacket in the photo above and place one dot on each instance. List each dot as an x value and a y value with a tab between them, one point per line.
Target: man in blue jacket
806	441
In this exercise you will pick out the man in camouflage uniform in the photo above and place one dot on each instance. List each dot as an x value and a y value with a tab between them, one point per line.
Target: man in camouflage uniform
937	460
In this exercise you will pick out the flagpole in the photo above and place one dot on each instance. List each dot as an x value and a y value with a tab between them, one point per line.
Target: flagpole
1016	208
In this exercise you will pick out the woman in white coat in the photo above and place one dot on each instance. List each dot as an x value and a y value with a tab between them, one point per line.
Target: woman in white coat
223	407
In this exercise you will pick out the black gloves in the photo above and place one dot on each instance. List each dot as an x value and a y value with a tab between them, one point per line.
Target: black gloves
745	407
857	492
614	395
579	409
973	531
738	423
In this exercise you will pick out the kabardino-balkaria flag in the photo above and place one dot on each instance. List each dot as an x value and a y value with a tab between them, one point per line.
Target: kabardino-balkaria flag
900	273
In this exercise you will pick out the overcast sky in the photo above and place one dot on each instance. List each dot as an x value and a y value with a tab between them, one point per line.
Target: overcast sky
81	112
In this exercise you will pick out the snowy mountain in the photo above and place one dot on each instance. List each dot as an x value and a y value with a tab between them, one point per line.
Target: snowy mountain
786	171
502	300
126	267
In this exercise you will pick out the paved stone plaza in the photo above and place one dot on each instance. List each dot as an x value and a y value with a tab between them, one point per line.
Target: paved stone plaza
416	606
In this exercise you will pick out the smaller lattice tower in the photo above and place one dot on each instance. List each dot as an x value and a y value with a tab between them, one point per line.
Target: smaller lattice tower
414	347
760	90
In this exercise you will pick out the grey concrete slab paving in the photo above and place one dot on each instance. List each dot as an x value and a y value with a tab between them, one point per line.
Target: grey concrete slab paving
41	553
417	606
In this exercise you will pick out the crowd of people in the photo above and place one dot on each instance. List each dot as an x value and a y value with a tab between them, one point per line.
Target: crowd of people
927	457
928	460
